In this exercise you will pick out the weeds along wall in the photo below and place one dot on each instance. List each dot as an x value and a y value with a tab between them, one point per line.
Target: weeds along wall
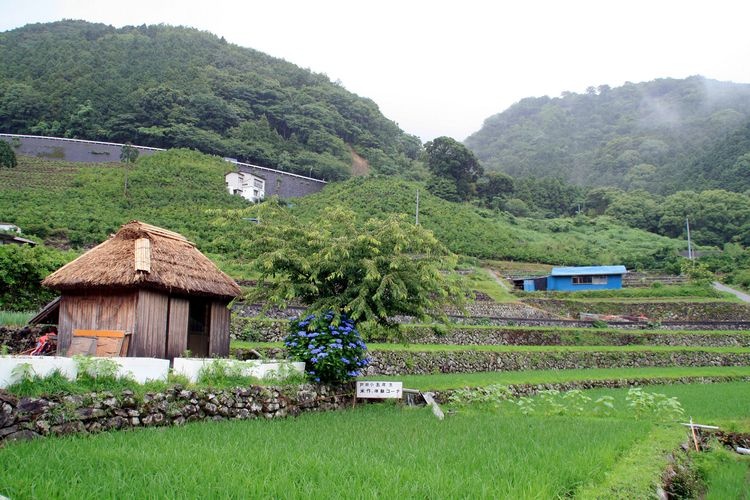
28	418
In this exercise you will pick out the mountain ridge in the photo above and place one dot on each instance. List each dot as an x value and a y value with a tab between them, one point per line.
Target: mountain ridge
168	86
636	135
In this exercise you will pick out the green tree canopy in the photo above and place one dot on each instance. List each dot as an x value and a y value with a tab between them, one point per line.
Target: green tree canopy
22	269
446	157
371	272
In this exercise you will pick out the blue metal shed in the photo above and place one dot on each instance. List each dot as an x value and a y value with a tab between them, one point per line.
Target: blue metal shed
571	279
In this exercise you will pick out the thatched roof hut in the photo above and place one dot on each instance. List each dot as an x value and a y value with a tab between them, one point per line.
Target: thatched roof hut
153	283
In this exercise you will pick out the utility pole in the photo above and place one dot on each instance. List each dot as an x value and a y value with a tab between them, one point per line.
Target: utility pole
417	212
690	247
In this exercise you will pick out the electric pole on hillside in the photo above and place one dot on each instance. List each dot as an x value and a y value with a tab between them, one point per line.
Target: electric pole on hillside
416	216
690	247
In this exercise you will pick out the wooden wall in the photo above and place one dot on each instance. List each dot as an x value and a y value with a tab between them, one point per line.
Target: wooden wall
150	336
113	311
219	340
158	323
177	334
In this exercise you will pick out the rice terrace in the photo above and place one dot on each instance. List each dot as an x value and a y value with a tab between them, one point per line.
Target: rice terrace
225	276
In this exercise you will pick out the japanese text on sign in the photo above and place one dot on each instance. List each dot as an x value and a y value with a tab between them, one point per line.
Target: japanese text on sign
366	389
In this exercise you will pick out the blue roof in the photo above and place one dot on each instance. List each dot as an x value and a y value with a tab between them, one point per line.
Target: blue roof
587	270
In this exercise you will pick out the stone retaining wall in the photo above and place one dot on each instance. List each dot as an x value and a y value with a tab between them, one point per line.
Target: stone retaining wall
589	336
26	418
519	390
655	311
257	330
425	363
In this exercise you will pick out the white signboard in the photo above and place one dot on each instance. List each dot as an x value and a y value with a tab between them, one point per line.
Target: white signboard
381	389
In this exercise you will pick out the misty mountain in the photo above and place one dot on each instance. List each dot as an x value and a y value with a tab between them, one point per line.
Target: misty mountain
169	87
661	136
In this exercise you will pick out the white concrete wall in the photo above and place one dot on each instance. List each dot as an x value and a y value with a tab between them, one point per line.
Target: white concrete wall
191	367
42	366
143	369
140	369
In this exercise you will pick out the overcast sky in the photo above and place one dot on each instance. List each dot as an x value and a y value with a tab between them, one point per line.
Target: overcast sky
440	68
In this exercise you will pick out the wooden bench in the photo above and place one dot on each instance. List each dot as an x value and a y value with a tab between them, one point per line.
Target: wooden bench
101	343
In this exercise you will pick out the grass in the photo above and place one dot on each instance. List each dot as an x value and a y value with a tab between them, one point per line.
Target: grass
481	281
727	474
660	292
447	381
515	348
707	404
638	473
551	348
375	451
382	451
13	318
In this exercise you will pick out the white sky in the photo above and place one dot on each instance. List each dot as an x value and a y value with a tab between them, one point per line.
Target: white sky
440	68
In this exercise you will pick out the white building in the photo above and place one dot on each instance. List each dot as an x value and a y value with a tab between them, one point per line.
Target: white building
249	186
8	227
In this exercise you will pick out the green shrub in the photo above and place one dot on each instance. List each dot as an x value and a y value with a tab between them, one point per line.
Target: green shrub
22	269
7	155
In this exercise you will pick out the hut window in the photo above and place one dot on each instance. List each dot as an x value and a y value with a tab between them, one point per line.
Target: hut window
143	255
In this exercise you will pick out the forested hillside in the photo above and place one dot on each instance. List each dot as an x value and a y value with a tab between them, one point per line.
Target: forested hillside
662	136
169	86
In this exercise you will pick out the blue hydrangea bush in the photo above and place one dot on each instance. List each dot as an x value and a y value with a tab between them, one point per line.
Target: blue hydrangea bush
330	346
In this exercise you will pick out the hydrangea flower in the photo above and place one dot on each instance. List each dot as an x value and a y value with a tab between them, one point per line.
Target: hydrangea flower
335	352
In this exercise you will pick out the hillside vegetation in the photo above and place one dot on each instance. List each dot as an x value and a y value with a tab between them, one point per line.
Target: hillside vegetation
170	87
662	136
482	233
80	205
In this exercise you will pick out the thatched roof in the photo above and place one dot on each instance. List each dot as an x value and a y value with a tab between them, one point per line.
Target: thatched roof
173	264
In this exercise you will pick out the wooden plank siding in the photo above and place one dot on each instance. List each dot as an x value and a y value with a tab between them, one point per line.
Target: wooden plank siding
114	311
177	339
149	338
219	336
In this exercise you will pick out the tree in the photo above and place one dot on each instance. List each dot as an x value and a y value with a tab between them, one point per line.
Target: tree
22	269
128	154
7	155
370	272
495	186
637	208
446	157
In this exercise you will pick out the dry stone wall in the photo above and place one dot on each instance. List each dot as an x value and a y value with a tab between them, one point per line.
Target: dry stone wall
655	311
28	417
424	363
589	336
520	390
257	330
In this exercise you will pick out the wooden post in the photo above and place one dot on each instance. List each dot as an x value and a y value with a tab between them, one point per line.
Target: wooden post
695	438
